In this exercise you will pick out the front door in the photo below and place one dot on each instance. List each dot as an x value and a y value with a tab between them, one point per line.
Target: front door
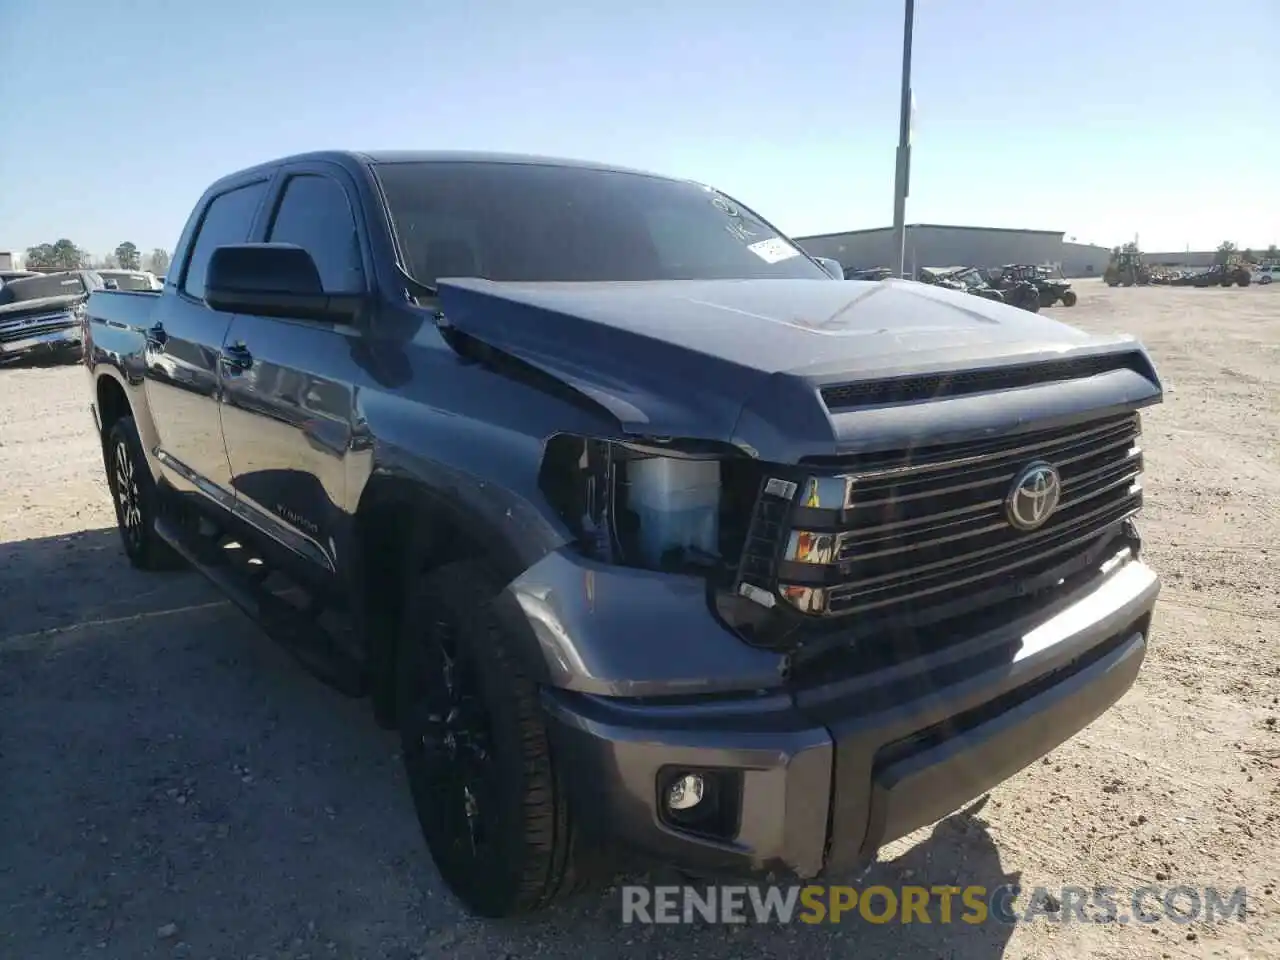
183	352
289	409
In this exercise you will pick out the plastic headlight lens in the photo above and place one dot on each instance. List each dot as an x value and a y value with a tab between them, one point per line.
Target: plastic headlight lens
633	504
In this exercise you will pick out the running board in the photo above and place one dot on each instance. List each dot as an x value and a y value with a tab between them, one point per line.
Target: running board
309	643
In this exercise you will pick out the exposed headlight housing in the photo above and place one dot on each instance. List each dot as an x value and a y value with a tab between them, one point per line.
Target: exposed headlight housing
659	505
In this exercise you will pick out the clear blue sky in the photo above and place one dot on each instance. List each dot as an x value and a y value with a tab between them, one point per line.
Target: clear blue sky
1098	117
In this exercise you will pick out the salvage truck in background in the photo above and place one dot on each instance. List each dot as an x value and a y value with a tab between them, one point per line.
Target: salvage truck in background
647	533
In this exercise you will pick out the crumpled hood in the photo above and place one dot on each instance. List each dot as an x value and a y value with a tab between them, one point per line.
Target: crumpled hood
42	305
687	358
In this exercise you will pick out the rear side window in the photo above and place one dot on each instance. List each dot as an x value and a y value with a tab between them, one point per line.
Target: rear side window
314	214
227	220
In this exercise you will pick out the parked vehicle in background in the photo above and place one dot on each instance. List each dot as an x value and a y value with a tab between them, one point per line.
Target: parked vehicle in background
43	315
1051	290
1018	291
1126	269
868	273
137	281
1266	273
1235	274
644	532
964	279
7	276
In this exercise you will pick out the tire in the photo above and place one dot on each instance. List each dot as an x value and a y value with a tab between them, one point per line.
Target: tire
1069	298
491	803
136	499
1264	281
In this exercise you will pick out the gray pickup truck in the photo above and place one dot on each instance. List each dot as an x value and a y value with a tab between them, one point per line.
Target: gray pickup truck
42	315
647	533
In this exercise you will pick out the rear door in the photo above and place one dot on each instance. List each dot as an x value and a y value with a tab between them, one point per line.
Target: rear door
288	414
182	353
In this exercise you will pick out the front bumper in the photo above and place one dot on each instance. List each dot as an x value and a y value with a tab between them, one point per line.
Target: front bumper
53	341
819	778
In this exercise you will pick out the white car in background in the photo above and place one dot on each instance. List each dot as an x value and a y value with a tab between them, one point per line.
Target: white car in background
1266	274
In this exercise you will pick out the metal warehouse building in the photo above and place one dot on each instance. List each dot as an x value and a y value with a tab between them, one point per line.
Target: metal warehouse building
939	245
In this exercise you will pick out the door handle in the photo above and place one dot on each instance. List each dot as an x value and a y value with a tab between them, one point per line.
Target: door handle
156	336
236	356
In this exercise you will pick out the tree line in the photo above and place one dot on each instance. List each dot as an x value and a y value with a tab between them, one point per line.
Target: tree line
64	254
1228	251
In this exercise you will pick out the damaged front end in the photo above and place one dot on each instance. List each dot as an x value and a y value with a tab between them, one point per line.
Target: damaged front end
821	553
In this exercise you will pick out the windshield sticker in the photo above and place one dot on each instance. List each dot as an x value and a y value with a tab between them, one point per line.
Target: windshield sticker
773	251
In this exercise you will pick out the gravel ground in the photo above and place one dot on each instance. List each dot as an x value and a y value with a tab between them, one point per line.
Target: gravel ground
172	785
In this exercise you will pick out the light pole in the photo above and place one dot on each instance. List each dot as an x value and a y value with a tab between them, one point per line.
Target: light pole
902	176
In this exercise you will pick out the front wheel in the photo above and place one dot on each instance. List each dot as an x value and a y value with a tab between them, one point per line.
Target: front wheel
490	800
1069	298
136	499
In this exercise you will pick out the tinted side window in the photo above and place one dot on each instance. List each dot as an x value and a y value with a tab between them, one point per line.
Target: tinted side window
314	214
227	220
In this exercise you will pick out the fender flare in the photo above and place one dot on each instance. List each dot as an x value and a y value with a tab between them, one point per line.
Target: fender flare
438	529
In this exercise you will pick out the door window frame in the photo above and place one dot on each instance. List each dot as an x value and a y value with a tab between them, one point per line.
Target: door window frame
205	206
331	171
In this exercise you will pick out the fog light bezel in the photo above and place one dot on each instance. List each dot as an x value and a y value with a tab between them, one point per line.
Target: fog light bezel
716	816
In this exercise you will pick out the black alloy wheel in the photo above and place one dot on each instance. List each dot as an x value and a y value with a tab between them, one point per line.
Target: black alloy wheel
447	743
492	806
136	499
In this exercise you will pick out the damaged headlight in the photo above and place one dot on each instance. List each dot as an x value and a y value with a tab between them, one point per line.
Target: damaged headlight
671	505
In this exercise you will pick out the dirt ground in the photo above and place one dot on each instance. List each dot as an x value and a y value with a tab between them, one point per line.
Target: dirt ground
172	785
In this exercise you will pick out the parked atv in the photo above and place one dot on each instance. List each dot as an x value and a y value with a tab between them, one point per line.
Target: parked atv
972	280
1017	292
1051	289
964	279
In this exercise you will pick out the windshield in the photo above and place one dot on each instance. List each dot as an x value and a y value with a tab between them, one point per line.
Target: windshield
541	222
37	288
129	281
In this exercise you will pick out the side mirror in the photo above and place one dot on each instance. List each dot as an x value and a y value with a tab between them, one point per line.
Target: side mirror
273	280
833	267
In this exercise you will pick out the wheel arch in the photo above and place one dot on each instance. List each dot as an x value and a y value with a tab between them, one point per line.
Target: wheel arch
117	396
404	528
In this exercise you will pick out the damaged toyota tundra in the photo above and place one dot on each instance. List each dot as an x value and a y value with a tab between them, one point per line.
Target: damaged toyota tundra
649	535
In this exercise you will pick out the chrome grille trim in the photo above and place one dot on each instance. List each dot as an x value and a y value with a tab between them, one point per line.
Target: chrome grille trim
20	328
902	534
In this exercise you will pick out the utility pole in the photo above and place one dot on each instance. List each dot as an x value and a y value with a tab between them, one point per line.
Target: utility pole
902	176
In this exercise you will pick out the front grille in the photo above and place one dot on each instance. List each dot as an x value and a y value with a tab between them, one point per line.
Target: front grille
33	326
891	536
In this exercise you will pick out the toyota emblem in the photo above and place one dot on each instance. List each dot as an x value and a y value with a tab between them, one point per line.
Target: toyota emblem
1033	497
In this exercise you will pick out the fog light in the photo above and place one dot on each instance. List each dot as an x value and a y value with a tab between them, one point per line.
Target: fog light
686	792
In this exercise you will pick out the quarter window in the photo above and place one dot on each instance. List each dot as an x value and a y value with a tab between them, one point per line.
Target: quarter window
315	215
